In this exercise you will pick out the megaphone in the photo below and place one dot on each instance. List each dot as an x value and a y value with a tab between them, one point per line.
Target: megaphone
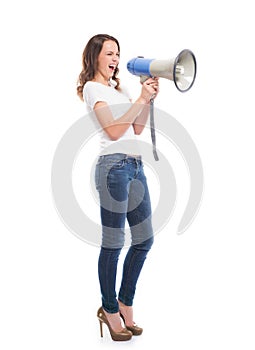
181	70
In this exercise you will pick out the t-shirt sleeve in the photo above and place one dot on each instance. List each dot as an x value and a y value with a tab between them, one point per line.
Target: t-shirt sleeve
93	93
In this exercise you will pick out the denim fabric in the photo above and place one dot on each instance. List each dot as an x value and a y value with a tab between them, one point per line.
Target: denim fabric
124	195
107	269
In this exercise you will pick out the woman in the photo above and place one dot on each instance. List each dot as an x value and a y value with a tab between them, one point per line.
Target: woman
120	179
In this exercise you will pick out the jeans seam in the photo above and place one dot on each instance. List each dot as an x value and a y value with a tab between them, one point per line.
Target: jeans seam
125	294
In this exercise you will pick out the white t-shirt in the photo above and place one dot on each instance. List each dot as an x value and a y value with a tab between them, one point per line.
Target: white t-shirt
119	103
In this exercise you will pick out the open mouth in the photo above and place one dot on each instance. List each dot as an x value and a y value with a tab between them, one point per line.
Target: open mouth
112	67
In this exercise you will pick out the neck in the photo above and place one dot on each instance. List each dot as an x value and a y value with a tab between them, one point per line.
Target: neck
101	79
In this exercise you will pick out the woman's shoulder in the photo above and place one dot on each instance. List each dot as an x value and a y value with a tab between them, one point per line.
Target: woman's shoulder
92	88
92	84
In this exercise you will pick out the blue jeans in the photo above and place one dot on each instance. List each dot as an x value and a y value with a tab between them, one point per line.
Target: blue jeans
124	195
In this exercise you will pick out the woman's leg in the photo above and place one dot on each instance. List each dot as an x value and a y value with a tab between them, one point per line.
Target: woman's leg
133	264
142	238
112	182
107	269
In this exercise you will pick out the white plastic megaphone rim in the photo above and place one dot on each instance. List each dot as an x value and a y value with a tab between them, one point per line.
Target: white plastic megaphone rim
175	70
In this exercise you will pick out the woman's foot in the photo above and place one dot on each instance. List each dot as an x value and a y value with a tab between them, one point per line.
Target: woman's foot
114	321
126	313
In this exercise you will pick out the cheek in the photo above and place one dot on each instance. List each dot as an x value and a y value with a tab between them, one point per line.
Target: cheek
105	63
102	62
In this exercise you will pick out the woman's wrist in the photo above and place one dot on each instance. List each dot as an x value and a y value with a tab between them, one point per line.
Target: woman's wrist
142	100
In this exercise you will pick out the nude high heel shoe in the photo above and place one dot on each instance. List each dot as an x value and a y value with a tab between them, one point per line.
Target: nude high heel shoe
123	335
134	329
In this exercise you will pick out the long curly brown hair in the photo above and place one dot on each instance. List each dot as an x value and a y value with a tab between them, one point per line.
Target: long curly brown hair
90	61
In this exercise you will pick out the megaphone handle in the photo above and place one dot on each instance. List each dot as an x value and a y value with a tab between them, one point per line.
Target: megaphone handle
152	126
143	78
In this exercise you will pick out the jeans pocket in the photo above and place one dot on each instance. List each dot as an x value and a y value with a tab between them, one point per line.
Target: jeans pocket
115	164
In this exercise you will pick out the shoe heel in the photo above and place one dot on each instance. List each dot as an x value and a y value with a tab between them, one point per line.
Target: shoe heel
101	328
123	335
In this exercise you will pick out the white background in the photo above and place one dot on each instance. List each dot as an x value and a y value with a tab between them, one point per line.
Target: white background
196	290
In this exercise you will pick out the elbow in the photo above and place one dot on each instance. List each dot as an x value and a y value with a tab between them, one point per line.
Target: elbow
112	135
138	129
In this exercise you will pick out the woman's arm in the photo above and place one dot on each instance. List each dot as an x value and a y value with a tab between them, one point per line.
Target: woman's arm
135	116
141	120
116	128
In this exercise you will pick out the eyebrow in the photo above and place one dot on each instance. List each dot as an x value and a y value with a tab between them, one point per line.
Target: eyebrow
110	51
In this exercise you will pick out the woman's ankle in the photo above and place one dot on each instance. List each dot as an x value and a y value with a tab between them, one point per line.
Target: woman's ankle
114	321
127	313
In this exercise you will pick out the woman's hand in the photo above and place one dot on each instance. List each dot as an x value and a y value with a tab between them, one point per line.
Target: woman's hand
150	89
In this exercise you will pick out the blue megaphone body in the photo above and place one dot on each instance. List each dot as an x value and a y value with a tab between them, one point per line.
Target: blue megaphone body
181	70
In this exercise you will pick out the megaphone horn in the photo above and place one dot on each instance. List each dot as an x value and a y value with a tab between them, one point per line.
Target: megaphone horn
181	70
